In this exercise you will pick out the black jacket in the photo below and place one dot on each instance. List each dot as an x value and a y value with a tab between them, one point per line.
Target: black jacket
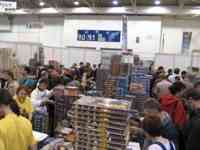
192	132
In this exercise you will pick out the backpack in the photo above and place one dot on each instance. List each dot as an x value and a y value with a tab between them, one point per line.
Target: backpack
163	146
169	132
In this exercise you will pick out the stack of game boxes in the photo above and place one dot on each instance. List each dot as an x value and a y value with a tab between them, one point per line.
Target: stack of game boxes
61	104
110	89
122	86
140	69
63	97
40	122
115	65
125	69
101	77
101	123
116	87
140	86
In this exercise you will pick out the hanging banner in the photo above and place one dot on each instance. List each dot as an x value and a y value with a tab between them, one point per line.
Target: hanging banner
99	35
124	34
187	36
7	5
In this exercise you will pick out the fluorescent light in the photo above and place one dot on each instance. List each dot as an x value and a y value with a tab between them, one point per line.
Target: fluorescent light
115	2
76	3
195	11
20	11
157	2
82	10
117	10
49	11
157	10
42	3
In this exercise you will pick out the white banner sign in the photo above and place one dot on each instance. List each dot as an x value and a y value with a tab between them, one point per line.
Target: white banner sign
7	5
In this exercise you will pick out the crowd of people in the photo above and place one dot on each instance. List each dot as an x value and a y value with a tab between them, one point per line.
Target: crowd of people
29	91
172	116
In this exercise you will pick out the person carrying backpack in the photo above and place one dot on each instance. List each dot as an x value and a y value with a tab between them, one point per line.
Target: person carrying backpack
152	125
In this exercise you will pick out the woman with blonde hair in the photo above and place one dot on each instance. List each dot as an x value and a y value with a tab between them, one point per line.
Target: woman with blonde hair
24	102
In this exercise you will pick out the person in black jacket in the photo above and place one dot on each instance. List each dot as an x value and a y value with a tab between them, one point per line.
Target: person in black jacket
192	129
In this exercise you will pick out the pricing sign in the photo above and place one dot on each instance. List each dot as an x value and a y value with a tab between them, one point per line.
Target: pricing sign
99	35
6	5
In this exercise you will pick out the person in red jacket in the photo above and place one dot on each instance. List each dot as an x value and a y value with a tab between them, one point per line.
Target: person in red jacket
173	104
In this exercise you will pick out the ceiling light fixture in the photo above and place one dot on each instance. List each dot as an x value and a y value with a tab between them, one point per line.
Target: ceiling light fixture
76	3
157	2
49	10
42	3
115	2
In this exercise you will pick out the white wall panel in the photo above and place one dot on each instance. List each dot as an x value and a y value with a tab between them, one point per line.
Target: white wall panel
23	53
28	37
173	31
11	36
182	61
93	56
172	40
8	45
57	54
76	55
148	30
20	23
66	57
165	60
174	61
52	32
48	54
4	24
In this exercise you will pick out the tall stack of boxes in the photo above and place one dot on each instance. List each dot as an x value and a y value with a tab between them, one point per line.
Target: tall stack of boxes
116	85
110	88
127	80
122	86
115	65
101	123
125	69
102	75
64	97
140	86
40	122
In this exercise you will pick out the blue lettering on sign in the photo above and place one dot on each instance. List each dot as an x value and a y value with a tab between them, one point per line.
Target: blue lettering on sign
99	35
